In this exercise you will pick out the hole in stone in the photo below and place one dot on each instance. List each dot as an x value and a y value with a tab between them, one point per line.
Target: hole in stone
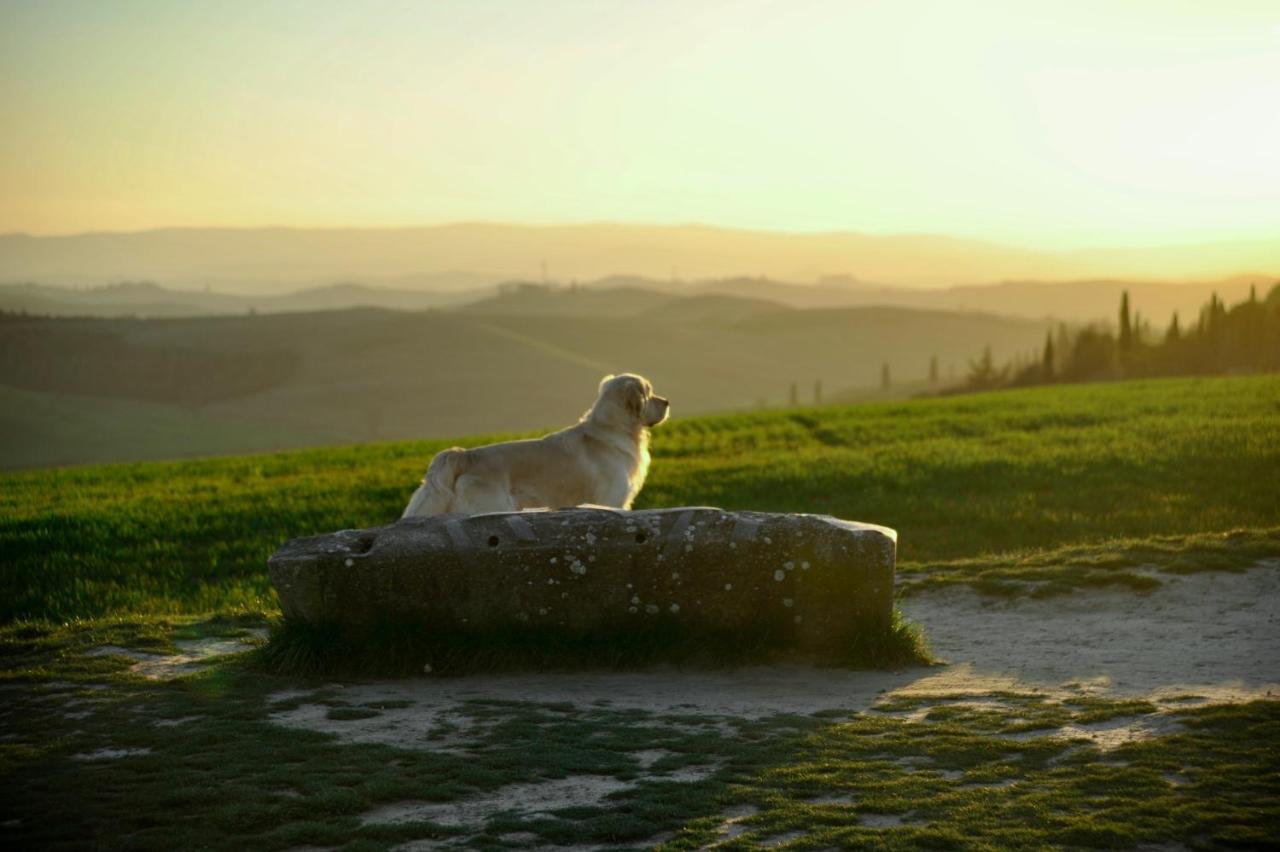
641	538
493	541
363	543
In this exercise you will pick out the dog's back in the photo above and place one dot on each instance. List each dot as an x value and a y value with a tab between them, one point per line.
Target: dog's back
435	495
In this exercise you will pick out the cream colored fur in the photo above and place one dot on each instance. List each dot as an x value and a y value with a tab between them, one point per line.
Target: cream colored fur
603	459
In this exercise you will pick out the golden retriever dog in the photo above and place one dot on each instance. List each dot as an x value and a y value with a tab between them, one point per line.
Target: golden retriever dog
602	459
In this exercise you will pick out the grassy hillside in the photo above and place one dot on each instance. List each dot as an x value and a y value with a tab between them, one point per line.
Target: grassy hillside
362	375
958	477
146	299
52	429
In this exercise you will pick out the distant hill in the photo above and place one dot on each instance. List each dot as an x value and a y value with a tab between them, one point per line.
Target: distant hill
712	308
113	300
1083	300
241	383
348	295
829	293
146	299
618	296
525	299
721	299
468	256
619	300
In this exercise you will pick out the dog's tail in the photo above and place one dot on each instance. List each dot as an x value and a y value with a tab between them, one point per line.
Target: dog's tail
435	495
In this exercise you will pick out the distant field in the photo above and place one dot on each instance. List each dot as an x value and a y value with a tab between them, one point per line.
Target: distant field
334	377
51	429
958	477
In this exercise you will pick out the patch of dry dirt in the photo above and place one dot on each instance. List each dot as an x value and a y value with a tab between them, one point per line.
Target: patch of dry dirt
192	653
111	753
1215	635
526	799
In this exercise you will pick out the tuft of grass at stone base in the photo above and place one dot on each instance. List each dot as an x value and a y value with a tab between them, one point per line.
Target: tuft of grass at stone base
398	649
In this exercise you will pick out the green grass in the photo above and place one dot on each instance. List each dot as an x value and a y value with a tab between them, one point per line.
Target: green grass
961	478
47	429
960	779
1134	564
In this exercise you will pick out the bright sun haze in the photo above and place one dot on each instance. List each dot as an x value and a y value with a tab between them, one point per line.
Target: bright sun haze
1053	125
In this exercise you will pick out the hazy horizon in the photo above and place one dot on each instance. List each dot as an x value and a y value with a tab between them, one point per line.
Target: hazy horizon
1099	126
1026	245
460	255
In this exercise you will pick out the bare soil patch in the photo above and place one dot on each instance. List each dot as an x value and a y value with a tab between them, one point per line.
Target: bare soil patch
527	799
192	653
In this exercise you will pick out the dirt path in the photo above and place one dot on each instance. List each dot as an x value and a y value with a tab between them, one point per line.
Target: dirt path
1212	634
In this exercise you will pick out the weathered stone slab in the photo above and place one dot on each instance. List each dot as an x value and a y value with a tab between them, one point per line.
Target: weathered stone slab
820	580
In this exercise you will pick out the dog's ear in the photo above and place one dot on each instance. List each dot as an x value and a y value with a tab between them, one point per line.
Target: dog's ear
636	397
605	381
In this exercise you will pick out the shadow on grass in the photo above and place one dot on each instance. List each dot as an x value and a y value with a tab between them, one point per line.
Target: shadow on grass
392	648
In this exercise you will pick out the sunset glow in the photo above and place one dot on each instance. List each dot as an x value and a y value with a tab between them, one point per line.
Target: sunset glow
1052	124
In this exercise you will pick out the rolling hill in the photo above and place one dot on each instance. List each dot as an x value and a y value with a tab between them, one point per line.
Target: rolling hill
148	299
1069	301
1075	301
331	377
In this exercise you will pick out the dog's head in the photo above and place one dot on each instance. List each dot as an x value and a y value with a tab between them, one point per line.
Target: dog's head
630	399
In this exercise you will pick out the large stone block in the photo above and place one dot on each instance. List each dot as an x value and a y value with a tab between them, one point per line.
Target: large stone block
814	579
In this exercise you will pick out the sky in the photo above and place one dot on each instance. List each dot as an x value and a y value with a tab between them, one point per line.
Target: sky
1045	124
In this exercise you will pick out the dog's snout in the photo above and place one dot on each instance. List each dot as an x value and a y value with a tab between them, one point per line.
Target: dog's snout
657	410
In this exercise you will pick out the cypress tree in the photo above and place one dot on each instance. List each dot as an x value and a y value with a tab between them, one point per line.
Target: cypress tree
1126	330
1046	363
884	376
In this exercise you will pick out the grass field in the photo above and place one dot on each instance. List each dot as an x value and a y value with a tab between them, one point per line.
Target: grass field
960	478
50	429
1037	492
